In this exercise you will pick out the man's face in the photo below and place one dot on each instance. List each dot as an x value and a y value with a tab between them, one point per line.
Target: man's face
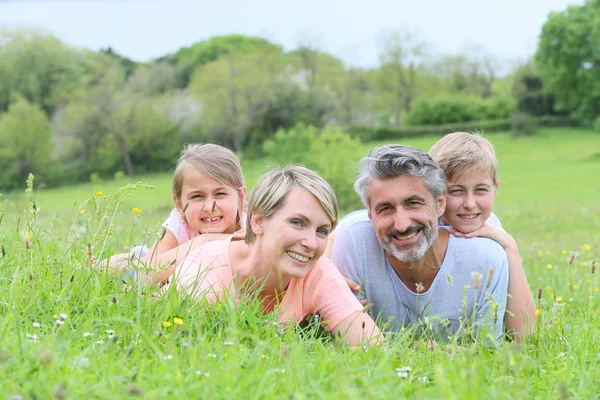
405	216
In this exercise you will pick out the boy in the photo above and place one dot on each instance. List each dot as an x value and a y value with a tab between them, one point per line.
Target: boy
469	163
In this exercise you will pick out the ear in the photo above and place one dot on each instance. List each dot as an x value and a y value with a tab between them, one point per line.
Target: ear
256	224
441	203
177	203
369	214
497	185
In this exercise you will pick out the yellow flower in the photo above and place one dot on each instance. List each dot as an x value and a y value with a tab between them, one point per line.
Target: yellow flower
98	193
582	264
540	253
538	311
263	357
82	211
586	247
27	234
591	297
178	321
136	210
558	299
596	290
576	287
549	266
55	316
167	324
564	252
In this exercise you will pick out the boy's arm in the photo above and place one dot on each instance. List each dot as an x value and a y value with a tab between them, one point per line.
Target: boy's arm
520	317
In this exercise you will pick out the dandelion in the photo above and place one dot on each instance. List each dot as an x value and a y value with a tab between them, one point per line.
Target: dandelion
37	325
558	299
549	266
167	324
178	321
538	311
136	210
98	193
564	252
586	247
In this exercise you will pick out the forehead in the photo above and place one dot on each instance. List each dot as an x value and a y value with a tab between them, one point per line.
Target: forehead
472	177
195	178
397	189
301	201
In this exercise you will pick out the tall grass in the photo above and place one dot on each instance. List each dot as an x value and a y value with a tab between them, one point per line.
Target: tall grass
67	330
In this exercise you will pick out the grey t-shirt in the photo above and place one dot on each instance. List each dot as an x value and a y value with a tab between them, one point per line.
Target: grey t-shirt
451	304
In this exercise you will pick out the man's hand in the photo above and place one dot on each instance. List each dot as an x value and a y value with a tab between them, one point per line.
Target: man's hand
355	287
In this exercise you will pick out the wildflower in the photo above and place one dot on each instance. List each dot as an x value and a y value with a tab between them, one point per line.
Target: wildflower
87	334
559	299
420	287
263	356
403	372
62	315
423	379
37	325
211	355
576	287
207	374
402	329
168	357
110	331
59	322
564	252
540	253
538	311
82	211
586	247
136	210
55	316
167	324
549	266
228	343
99	341
178	321
98	193
27	234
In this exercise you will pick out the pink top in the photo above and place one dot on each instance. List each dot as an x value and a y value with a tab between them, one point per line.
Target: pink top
207	272
180	228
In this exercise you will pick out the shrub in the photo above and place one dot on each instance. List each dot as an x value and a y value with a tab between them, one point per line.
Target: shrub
522	124
329	152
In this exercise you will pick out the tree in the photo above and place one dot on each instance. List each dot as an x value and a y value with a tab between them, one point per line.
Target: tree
27	145
568	60
402	56
234	91
38	67
527	89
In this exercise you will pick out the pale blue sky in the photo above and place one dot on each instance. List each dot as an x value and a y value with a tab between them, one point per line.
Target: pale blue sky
351	29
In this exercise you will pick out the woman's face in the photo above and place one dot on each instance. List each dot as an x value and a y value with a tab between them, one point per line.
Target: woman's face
295	236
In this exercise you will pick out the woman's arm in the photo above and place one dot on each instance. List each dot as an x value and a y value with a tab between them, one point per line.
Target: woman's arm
359	329
520	317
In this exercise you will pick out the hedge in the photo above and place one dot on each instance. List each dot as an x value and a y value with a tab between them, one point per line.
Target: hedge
367	133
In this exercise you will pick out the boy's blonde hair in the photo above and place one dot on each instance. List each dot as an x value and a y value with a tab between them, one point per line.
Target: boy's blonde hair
216	161
272	188
461	152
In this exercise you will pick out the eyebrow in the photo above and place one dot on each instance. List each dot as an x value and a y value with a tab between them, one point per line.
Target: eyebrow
306	219
413	198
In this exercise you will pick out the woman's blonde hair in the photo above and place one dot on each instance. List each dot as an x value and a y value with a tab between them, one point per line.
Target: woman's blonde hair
213	160
270	194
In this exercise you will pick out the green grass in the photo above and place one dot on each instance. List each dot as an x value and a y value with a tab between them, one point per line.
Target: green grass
549	200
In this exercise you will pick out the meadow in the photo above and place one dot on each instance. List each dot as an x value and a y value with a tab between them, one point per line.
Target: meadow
67	330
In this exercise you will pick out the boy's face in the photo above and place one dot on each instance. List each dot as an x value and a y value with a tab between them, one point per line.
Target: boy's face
470	200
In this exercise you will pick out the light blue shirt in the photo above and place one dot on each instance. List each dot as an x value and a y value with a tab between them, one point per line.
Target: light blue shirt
450	306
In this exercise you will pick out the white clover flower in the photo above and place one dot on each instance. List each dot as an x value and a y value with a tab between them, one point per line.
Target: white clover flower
207	374
110	331
60	322
87	334
37	325
228	343
168	357
99	341
62	315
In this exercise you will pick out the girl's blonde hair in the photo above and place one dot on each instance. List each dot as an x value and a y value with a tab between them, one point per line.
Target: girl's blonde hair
217	162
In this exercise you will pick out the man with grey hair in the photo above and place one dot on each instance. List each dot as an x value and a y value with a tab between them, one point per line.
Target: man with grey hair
417	275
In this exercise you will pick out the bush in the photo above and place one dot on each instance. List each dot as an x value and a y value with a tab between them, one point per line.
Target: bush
522	124
328	152
454	109
367	133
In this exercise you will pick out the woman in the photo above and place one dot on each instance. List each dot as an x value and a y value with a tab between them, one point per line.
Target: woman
290	215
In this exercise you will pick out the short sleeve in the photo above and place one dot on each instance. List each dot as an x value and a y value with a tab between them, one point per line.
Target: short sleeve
179	227
343	255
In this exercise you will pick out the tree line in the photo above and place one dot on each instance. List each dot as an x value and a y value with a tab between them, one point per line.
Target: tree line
68	114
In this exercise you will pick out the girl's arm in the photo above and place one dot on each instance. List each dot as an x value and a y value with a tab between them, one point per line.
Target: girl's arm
520	317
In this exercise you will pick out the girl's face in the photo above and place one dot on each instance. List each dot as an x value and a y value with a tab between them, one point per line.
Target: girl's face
470	200
295	236
198	194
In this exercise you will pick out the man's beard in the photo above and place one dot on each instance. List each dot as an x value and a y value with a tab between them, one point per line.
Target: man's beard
410	252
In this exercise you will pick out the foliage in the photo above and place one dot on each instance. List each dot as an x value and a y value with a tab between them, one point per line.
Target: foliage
568	60
528	91
367	133
27	145
451	109
38	67
307	145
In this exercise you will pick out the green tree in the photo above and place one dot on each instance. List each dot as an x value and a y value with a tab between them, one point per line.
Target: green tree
27	145
38	67
568	60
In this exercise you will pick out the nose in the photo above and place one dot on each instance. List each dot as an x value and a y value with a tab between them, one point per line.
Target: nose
469	201
402	221
309	241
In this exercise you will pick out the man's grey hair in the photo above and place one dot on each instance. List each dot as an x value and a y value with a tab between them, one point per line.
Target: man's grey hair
394	160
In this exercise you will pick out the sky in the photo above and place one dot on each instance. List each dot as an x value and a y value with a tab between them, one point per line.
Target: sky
350	29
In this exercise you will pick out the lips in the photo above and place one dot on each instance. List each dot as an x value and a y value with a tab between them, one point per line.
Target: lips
208	220
468	217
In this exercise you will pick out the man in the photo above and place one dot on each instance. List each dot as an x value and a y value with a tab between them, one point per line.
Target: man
417	275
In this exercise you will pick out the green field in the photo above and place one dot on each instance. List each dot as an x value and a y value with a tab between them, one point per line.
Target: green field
113	344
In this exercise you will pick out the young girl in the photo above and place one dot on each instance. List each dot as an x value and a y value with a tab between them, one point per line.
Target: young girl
209	196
